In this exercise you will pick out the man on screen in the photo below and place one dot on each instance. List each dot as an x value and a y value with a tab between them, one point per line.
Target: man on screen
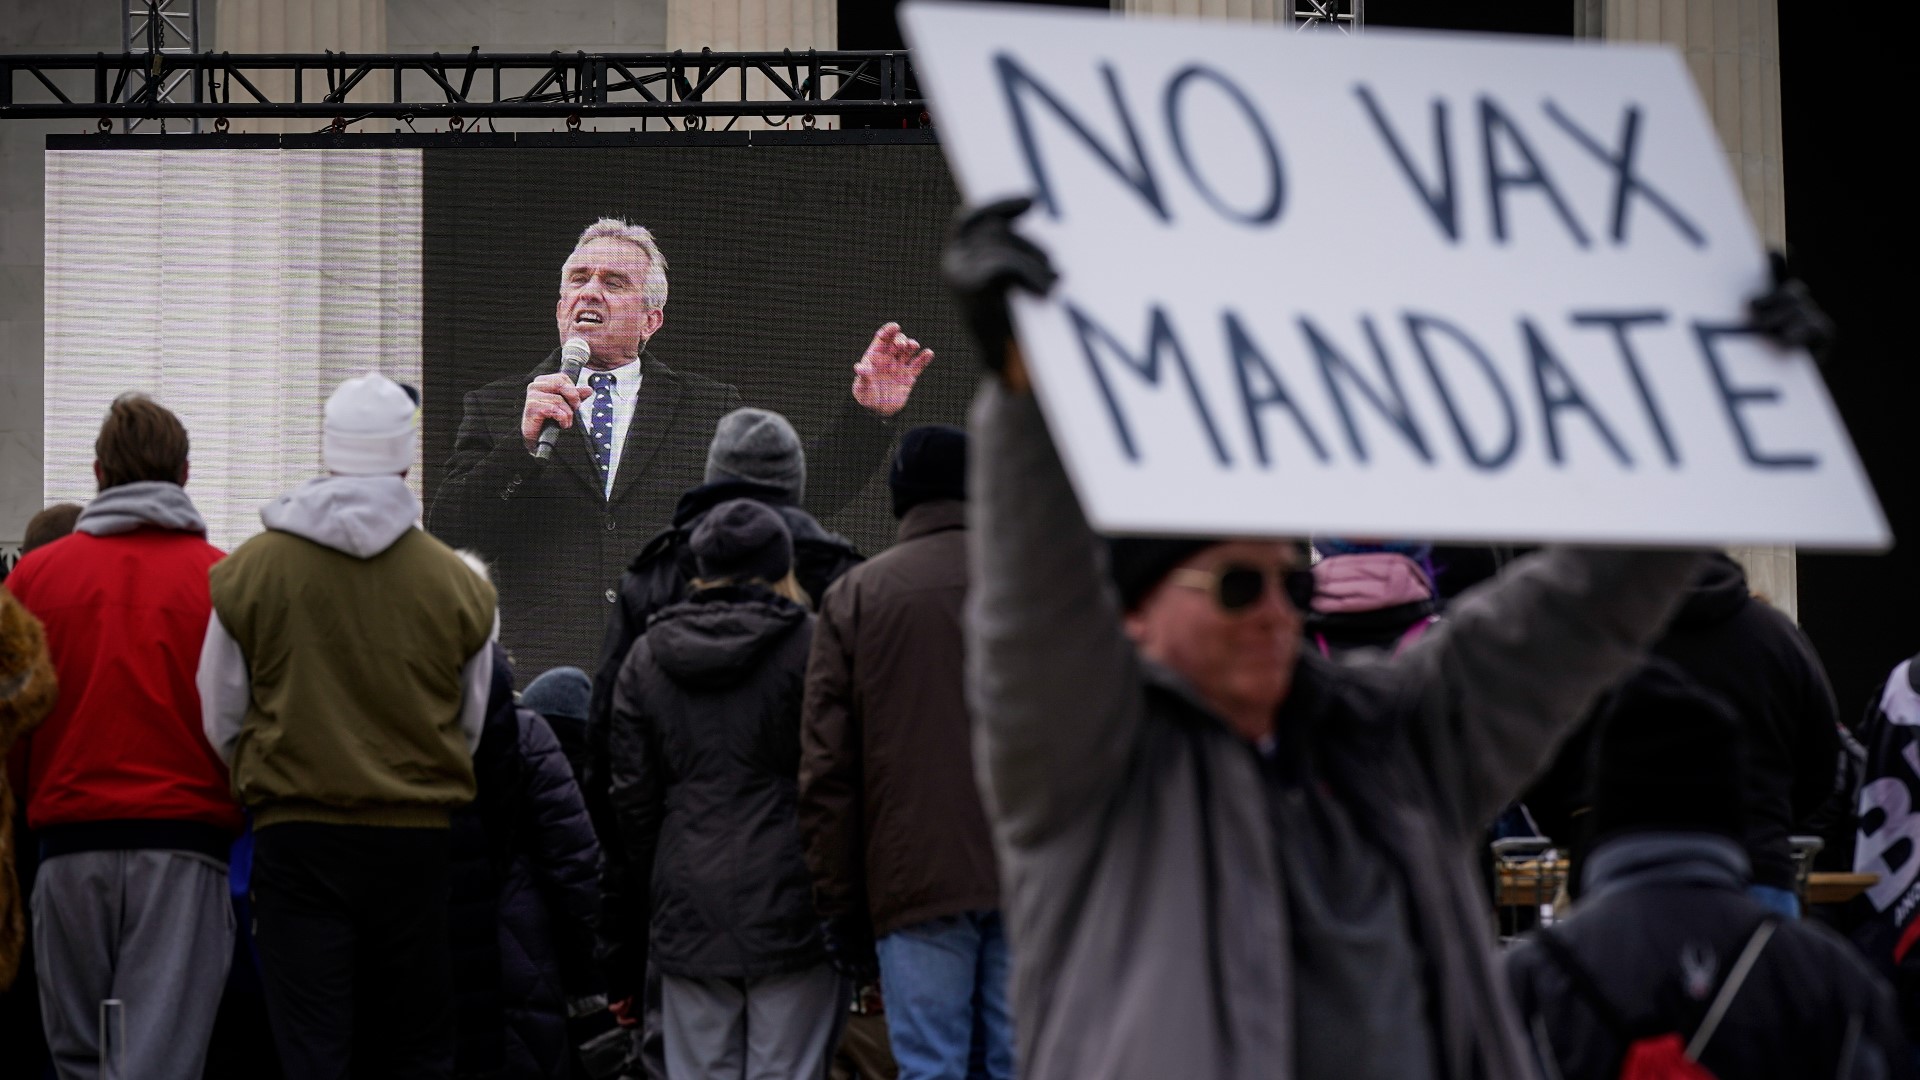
634	436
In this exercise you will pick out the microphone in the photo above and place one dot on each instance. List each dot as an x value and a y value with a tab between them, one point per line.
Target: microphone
573	356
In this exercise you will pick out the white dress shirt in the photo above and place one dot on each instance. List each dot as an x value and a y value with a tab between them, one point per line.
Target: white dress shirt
626	396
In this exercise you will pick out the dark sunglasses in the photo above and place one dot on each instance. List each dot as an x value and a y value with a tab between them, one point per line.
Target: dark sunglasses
1238	586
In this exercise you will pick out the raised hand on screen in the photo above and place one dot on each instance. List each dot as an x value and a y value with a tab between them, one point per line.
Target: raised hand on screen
886	372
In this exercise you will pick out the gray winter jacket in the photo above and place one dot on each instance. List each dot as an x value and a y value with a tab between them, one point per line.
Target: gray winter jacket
1144	910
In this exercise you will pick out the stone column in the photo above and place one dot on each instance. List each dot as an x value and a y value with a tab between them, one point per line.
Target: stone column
753	26
1732	47
304	26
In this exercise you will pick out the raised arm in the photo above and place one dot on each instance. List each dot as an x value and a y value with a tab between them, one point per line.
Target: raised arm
1521	659
1053	681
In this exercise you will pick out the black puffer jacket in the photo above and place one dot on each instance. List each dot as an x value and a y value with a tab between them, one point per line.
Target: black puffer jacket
1751	656
659	577
1665	919
705	758
525	897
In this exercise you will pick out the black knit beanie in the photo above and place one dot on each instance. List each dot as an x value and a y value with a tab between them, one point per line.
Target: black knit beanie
1139	564
743	540
930	464
1670	757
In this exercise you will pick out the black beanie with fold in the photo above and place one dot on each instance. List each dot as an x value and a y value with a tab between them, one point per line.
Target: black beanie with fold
1138	564
1669	757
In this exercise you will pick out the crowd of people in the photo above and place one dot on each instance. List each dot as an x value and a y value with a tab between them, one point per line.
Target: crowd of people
1054	804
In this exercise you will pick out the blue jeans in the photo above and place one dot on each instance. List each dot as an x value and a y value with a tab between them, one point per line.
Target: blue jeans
945	985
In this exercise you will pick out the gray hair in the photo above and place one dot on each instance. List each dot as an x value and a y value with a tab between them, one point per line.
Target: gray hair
654	289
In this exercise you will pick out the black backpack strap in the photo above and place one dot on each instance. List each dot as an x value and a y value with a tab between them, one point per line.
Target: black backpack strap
1584	984
1730	982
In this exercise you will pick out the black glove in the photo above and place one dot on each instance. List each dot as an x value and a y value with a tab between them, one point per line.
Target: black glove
1787	314
984	259
849	941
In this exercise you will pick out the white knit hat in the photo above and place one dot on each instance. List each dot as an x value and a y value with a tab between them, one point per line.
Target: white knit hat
369	428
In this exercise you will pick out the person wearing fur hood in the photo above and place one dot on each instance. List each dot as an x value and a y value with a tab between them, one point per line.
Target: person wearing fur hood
27	691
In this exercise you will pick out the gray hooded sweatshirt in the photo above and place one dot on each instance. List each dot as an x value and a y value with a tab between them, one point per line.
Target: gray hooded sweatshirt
142	505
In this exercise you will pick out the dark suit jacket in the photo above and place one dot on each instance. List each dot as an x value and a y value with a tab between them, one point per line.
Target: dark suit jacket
556	544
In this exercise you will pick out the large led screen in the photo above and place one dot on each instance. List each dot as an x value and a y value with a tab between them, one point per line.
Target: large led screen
238	287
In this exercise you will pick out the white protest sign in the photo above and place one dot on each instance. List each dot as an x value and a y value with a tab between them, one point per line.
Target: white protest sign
1393	285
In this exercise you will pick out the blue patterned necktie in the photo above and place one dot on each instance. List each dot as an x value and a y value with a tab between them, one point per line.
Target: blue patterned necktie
602	426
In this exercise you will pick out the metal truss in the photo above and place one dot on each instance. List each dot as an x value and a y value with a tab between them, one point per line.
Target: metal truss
161	28
688	87
1344	16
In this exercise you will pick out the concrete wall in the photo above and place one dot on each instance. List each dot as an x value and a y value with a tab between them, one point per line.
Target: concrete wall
34	26
454	26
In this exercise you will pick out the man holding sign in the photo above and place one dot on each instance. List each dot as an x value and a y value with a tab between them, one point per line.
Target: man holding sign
1482	290
1205	830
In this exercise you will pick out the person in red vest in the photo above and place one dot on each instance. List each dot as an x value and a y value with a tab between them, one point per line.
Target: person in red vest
131	806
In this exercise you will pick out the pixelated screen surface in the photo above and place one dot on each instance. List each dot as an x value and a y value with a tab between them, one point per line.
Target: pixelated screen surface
251	281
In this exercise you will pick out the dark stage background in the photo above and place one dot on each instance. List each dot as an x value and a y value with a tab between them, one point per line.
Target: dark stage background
781	263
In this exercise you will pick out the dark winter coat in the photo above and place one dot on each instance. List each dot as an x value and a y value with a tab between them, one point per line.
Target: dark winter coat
525	897
1751	656
705	755
888	803
1749	653
660	577
1664	918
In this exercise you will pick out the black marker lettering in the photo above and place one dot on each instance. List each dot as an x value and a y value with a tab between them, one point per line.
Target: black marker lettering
1387	400
1626	182
1620	322
1250	365
1438	198
1492	120
1016	83
1735	398
1268	211
1160	336
1564	393
1417	327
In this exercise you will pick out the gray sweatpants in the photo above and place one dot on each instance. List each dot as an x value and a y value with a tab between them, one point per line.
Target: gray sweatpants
780	1027
153	929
